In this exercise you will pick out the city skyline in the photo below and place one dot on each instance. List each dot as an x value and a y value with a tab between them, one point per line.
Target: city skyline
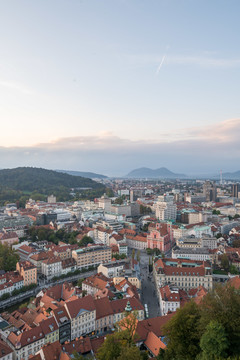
108	87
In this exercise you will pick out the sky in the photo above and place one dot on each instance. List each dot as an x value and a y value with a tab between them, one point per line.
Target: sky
112	85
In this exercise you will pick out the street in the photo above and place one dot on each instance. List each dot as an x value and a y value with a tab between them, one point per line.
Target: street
148	295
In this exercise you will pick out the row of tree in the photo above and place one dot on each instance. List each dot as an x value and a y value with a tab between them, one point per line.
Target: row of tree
209	331
42	233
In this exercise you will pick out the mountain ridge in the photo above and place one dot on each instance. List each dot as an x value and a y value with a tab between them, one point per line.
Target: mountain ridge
33	178
85	174
145	172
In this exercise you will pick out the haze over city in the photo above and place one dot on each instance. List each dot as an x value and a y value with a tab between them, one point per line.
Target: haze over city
111	86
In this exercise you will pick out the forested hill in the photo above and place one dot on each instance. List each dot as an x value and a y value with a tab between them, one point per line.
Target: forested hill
30	179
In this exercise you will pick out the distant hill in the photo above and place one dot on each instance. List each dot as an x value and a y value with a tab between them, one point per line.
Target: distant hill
150	173
89	175
232	176
42	180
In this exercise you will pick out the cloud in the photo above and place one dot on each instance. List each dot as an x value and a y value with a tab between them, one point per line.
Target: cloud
207	60
194	150
161	64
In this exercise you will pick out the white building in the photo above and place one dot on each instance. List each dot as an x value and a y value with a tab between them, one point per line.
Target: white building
165	208
169	299
82	313
195	253
52	267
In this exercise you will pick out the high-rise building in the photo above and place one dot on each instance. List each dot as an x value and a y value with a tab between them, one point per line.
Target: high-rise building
165	208
210	191
235	190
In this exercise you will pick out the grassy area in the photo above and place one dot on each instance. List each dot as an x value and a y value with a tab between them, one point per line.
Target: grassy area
220	272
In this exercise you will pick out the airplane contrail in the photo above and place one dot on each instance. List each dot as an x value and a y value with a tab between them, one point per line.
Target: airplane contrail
161	64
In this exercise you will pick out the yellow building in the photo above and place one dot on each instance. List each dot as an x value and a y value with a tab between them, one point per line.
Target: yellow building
28	271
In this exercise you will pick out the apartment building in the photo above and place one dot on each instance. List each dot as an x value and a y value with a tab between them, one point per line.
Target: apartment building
64	252
119	308
92	256
6	353
104	315
136	242
196	253
102	235
26	343
11	281
82	314
169	299
64	323
165	208
93	284
50	330
37	259
28	271
185	274
112	269
52	267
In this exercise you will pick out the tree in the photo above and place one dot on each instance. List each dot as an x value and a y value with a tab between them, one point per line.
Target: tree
133	253
79	283
138	255
121	345
216	212
214	342
8	258
182	333
223	305
85	240
110	349
145	210
233	270
225	262
119	200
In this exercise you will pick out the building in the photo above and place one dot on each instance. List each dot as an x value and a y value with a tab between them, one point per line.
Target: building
119	308
8	238
105	203
82	313
185	274
51	199
93	284
26	343
160	237
64	323
36	259
196	253
112	269
210	191
6	353
135	194
50	330
104	315
169	299
52	267
92	256
235	190
137	242
165	208
28	271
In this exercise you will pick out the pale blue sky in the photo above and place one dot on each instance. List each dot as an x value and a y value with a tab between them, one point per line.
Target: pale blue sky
158	71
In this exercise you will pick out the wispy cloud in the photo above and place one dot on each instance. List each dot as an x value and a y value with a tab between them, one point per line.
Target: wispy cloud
160	65
15	86
204	60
